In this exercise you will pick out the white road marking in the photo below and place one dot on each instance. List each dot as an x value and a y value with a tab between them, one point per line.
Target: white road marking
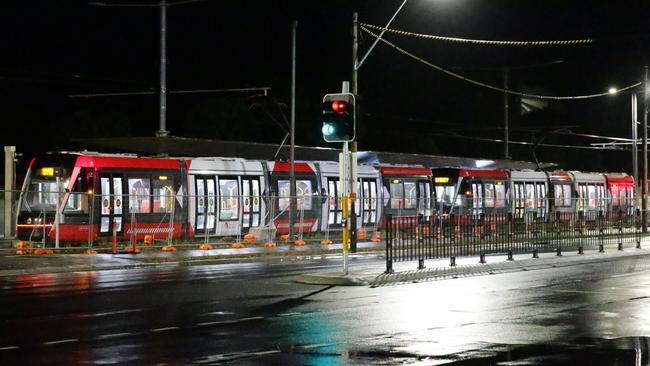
114	335
229	321
61	341
8	348
163	329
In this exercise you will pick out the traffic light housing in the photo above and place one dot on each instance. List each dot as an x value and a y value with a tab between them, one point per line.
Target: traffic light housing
339	117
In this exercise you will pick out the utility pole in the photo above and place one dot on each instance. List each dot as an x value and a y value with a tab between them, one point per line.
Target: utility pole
162	122
506	114
635	138
10	155
163	5
292	172
355	91
644	178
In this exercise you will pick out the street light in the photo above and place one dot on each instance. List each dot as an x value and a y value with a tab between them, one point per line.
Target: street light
644	128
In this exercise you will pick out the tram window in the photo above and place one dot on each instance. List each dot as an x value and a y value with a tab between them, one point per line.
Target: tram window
500	195
445	194
530	195
541	195
163	195
410	195
477	195
618	195
396	194
567	194
79	198
591	196
489	194
228	199
303	194
139	196
519	189
600	192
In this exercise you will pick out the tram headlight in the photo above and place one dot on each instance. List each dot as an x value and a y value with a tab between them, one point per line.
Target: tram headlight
38	220
29	221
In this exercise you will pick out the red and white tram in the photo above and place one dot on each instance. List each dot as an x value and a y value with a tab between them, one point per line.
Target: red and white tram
97	194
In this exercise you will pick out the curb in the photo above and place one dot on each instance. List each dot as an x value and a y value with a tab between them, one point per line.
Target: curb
331	279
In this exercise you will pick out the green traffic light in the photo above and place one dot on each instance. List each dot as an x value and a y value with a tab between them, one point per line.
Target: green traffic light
328	129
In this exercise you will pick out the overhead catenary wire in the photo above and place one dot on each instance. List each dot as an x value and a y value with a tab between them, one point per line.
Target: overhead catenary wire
488	86
481	41
528	143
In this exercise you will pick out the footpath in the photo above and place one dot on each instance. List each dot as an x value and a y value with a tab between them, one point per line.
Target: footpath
357	275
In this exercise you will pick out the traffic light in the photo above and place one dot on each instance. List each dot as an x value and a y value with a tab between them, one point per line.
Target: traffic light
339	117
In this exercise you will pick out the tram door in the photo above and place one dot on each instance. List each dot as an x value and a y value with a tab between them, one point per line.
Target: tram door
111	211
205	205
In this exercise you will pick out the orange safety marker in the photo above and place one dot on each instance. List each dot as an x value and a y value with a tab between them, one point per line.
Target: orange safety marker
148	240
299	243
23	245
326	242
89	251
238	246
249	238
206	247
168	248
43	251
285	237
269	244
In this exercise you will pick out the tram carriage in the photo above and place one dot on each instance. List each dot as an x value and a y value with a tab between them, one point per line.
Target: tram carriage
471	191
99	194
529	195
366	207
621	190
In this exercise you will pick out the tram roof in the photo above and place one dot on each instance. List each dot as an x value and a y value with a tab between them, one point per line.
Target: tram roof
192	147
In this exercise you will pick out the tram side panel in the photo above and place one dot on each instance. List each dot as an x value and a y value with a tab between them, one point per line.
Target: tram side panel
225	196
308	199
367	204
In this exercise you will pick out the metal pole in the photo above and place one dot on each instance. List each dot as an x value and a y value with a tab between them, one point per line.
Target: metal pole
506	113
355	90
162	128
635	148
292	172
344	200
10	152
355	51
644	178
57	214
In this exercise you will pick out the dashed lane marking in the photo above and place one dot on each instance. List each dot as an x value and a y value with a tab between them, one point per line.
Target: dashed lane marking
229	321
60	341
163	329
114	335
8	348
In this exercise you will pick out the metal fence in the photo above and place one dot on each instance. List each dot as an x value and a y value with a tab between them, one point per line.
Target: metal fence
411	238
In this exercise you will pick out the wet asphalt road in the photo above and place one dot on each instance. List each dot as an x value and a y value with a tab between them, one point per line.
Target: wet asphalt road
254	313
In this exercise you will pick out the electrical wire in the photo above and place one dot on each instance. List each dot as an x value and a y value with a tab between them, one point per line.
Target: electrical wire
488	86
481	41
527	143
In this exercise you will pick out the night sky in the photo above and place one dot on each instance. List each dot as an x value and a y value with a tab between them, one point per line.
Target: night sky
54	49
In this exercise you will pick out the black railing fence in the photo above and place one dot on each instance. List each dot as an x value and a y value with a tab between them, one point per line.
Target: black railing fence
410	238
